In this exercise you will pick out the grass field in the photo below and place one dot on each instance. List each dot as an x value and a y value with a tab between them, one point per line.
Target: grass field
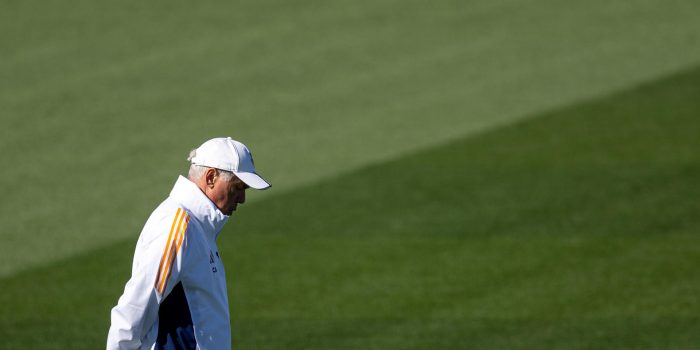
482	175
93	93
574	230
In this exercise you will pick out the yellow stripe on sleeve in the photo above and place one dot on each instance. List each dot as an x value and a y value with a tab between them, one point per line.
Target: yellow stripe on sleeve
176	223
179	238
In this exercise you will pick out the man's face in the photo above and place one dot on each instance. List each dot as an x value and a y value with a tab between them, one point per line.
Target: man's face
228	194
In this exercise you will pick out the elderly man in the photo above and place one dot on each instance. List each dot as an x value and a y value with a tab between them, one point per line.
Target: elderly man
176	297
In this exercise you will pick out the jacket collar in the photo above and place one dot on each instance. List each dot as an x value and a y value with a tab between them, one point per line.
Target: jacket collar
199	206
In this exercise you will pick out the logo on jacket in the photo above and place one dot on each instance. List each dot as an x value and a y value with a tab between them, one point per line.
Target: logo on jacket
211	261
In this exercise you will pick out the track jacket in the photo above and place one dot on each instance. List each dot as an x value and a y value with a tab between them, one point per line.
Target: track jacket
176	297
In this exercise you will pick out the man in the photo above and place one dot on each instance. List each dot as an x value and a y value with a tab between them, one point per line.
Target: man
176	297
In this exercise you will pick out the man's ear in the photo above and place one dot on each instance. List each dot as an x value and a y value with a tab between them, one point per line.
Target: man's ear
209	177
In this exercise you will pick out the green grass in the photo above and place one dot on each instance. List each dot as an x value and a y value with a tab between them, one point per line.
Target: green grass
101	102
575	229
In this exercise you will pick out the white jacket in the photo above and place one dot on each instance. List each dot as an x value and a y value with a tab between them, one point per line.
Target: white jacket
176	297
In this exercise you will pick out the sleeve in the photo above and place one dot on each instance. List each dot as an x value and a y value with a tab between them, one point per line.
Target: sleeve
156	270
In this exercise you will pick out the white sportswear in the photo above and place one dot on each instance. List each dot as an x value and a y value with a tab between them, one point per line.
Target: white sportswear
176	297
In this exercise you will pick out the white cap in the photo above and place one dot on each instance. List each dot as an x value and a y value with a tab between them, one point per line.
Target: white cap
228	154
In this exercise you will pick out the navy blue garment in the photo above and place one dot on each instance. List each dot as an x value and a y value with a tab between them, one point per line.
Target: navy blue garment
175	327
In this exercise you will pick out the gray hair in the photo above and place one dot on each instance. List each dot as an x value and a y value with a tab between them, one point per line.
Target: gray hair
197	171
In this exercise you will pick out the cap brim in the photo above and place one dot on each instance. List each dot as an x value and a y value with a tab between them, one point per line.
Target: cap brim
253	180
